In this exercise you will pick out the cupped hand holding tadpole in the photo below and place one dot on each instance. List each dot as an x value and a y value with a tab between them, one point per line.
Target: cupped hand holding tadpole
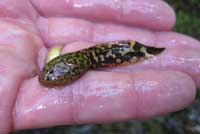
157	86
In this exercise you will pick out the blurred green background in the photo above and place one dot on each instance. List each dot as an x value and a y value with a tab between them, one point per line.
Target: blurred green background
182	122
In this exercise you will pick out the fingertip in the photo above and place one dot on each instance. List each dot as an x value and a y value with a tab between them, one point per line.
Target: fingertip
173	39
171	15
175	94
151	14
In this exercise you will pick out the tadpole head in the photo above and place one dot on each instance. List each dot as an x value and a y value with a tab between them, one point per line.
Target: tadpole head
56	74
63	70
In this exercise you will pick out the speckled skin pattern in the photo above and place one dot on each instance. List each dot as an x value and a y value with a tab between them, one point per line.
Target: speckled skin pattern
66	68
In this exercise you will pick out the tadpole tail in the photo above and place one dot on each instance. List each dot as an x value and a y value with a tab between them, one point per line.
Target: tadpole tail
154	50
114	53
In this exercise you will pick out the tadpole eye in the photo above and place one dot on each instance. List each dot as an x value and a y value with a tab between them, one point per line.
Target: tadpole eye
51	72
48	78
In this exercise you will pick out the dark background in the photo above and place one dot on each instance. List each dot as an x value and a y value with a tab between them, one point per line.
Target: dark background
186	121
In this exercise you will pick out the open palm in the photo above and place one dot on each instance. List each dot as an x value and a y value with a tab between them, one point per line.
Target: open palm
159	85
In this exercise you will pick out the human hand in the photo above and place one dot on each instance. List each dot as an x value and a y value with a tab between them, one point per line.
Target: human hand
156	86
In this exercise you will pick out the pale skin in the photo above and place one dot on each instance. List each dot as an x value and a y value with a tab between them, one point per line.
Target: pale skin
163	84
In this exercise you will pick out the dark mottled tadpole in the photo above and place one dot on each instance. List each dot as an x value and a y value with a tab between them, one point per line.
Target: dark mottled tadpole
66	68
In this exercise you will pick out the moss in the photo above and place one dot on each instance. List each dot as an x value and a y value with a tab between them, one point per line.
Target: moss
188	17
187	24
190	6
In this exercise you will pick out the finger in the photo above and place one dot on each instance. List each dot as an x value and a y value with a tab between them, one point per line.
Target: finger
18	61
103	97
61	31
17	9
153	14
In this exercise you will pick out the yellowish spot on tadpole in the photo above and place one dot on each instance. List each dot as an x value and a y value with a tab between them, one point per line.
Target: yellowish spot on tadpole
53	52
